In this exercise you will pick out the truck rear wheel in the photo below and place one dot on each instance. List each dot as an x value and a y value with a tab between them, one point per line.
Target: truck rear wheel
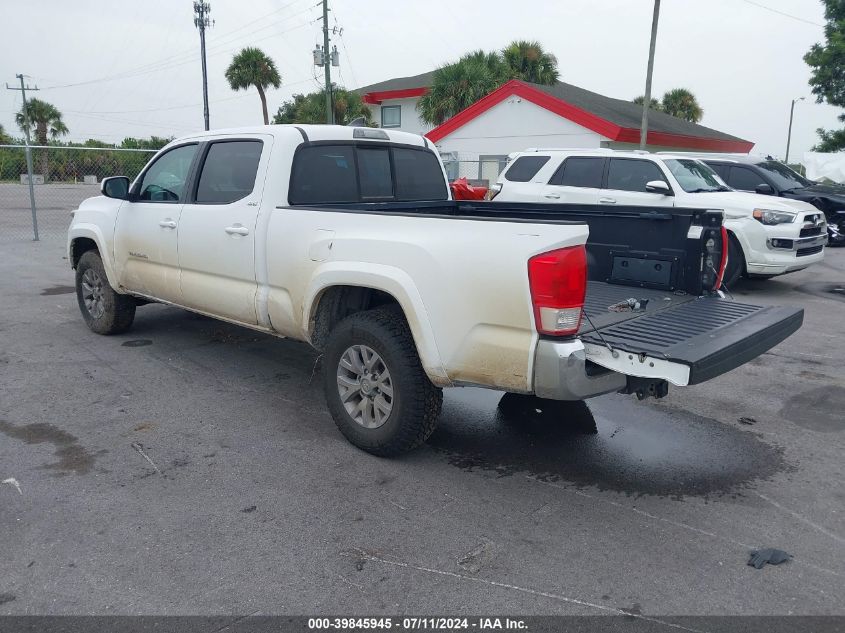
104	310
375	386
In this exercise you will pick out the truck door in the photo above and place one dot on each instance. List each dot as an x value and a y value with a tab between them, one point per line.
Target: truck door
217	230
145	250
626	184
576	181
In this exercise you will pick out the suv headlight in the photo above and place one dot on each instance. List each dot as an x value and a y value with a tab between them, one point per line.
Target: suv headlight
769	217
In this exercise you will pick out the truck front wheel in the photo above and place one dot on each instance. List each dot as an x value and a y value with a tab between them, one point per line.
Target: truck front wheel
104	310
375	386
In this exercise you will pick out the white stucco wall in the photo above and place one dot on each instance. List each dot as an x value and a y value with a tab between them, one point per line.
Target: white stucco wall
411	121
513	125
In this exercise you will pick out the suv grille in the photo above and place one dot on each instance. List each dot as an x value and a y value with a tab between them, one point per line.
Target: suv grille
812	225
812	250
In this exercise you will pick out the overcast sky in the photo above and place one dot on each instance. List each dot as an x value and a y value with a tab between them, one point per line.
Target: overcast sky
137	70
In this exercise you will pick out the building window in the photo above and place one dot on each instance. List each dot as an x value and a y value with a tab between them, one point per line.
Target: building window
391	116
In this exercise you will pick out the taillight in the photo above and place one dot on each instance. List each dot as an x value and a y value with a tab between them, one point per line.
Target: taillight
715	257
558	282
494	190
723	262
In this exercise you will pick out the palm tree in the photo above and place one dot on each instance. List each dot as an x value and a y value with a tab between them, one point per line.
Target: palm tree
458	85
529	62
251	67
311	108
655	104
681	103
47	121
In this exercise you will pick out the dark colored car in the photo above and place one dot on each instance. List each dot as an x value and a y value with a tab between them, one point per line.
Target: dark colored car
770	177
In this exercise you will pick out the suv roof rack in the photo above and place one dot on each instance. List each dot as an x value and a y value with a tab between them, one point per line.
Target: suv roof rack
602	150
709	154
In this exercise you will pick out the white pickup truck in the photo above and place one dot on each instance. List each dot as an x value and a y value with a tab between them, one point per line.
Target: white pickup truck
347	238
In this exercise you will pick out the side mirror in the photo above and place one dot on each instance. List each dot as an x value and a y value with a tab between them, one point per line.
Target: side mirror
765	189
658	186
115	187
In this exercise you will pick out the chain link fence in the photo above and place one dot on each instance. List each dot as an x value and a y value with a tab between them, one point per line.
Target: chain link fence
62	178
480	173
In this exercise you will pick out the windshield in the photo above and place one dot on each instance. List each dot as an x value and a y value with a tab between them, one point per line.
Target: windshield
694	176
783	176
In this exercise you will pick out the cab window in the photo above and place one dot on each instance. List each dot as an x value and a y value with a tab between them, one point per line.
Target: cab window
228	172
164	180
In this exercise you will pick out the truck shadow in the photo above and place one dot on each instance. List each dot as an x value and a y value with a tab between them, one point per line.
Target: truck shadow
611	443
614	443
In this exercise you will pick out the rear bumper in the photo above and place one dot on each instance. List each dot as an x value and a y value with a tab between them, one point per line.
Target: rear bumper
687	344
560	373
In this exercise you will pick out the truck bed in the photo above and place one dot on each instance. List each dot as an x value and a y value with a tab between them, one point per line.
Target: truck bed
641	253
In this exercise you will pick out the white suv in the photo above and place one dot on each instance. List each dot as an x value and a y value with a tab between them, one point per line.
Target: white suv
768	236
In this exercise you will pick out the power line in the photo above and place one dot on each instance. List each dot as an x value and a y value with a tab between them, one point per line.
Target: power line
784	14
187	56
178	107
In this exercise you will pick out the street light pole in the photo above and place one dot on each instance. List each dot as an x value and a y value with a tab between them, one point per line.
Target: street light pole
27	143
647	98
789	134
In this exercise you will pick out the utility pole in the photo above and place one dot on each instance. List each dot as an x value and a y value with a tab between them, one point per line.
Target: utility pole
327	64
789	134
326	59
29	170
202	21
647	97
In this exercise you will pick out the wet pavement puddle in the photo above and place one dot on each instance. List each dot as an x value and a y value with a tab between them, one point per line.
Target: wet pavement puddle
611	443
141	342
72	458
57	290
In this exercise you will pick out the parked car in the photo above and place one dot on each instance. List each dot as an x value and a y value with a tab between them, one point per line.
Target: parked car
772	178
767	236
347	238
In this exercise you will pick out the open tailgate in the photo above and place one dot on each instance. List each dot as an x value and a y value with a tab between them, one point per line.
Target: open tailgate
680	338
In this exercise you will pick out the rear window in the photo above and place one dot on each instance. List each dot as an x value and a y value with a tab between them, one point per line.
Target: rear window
326	174
374	173
322	174
579	172
418	175
525	168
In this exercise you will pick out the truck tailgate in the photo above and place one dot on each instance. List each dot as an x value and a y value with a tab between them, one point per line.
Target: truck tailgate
681	338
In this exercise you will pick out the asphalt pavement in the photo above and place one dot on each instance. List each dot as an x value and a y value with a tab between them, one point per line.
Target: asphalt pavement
191	467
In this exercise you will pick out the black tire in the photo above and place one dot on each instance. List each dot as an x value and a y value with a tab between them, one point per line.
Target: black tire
415	403
548	417
736	262
115	312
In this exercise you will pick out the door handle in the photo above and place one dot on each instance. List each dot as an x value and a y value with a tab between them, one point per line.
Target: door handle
607	201
237	230
551	196
167	224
